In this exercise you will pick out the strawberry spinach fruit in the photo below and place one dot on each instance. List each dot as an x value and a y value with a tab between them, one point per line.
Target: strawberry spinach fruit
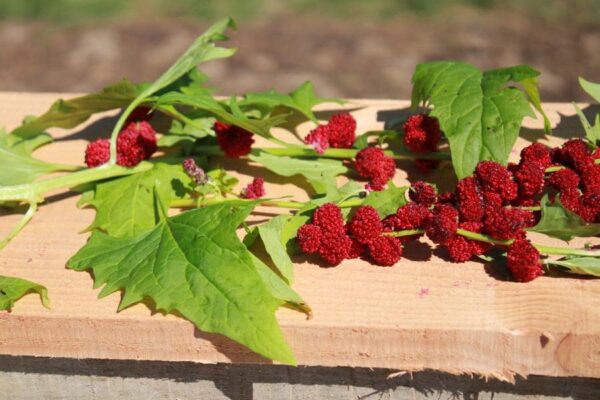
194	263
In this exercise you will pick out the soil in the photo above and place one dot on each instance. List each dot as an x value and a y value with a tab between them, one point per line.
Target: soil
343	58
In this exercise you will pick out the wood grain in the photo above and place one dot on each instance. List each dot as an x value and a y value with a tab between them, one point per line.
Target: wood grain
423	313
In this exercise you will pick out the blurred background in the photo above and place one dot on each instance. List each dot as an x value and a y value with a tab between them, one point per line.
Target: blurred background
348	48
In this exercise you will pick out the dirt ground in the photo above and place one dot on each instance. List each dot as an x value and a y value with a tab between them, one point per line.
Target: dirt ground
342	58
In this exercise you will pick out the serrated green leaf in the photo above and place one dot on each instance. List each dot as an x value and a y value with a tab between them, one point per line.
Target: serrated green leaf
125	206
271	235
561	223
387	201
195	264
319	173
70	113
579	265
201	100
301	100
12	289
479	115
592	133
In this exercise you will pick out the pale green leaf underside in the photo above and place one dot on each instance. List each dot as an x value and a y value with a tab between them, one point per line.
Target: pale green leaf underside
319	173
561	223
194	264
70	113
17	166
579	265
12	289
479	115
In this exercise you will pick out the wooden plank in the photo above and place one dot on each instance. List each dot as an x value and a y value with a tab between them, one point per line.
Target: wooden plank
457	318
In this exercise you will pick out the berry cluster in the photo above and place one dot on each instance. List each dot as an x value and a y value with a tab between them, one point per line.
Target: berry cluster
422	135
234	141
578	182
372	163
334	240
339	132
254	190
135	143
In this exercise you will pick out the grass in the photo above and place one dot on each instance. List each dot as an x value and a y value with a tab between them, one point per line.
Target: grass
82	11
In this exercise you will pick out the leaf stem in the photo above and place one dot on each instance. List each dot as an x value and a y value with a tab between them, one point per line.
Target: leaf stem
306	151
291	204
20	225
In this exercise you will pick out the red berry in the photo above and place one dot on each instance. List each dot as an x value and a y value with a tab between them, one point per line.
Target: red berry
194	171
421	133
235	142
136	142
569	198
365	225
496	178
530	178
423	193
590	178
342	131
356	250
318	138
254	190
385	250
469	199
309	238
459	249
523	260
328	217
575	154
589	206
564	179
97	153
335	247
412	216
507	223
536	152
443	224
373	164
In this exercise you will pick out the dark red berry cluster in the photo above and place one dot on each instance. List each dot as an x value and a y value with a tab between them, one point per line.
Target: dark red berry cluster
372	163
254	190
422	135
334	240
578	182
136	142
234	141
339	132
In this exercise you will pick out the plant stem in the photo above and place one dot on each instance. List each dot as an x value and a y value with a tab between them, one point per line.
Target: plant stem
305	151
20	225
291	204
34	192
407	232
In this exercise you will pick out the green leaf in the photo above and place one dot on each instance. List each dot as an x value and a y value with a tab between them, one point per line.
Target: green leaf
193	264
70	113
579	265
125	206
592	133
387	201
479	115
561	223
319	173
203	49
301	100
271	236
593	89
16	164
201	100
279	288
528	78
12	289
